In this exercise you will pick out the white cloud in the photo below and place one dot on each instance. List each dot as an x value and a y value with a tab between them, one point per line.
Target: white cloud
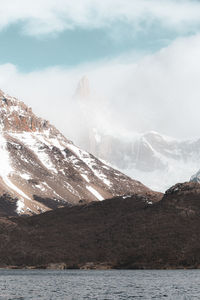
51	16
158	92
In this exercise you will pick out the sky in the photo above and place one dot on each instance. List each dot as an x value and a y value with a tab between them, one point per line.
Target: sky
142	59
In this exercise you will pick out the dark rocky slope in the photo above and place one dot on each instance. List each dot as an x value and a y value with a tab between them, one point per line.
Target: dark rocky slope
124	232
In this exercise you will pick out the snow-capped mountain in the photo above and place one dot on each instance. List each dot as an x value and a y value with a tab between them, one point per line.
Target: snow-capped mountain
157	160
154	159
40	169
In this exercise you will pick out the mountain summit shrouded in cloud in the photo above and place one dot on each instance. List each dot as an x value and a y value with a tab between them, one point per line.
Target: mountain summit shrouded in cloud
142	95
141	59
157	160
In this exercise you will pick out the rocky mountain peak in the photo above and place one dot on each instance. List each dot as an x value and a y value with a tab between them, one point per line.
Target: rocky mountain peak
15	116
83	88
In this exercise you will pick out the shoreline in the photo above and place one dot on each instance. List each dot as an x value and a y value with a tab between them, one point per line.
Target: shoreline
97	267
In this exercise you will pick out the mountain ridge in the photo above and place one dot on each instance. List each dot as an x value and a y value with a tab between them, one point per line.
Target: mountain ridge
45	170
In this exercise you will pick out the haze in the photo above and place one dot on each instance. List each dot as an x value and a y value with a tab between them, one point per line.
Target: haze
144	69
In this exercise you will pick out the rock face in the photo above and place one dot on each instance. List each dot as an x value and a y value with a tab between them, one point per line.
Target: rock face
40	169
124	232
83	88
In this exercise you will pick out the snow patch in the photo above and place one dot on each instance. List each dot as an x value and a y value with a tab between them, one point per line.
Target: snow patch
125	197
14	187
20	206
94	192
25	176
85	177
41	187
6	168
149	202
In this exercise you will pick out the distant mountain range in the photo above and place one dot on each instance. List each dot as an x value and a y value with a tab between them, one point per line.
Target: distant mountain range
156	160
195	177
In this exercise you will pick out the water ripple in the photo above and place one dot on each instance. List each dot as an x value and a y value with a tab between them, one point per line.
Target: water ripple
99	285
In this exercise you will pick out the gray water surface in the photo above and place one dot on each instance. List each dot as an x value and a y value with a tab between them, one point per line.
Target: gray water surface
103	285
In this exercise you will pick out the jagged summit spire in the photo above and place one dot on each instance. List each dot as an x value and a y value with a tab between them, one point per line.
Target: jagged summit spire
83	88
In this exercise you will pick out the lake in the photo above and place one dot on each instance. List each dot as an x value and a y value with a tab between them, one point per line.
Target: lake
103	285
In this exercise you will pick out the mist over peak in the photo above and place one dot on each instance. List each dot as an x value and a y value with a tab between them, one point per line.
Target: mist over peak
83	88
152	157
150	103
